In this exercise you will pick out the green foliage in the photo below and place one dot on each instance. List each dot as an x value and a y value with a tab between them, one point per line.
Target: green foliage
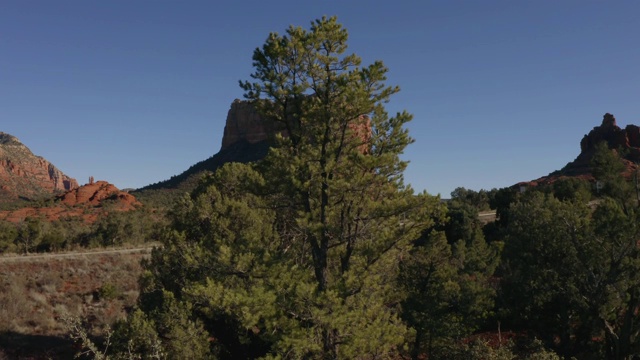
108	291
297	256
30	233
570	275
540	264
115	229
166	332
80	336
342	204
572	189
449	292
501	202
447	278
482	350
118	228
8	236
607	167
480	200
462	222
184	338
52	240
137	337
606	164
429	278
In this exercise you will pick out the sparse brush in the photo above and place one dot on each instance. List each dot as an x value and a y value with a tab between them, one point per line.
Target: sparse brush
34	291
79	335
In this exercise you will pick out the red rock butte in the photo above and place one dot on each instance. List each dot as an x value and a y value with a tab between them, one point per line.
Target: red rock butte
244	124
247	138
627	139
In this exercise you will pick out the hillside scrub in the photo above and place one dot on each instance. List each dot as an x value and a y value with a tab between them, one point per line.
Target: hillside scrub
114	228
36	292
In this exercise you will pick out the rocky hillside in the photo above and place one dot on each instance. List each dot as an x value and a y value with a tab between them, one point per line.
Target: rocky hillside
24	175
627	139
87	202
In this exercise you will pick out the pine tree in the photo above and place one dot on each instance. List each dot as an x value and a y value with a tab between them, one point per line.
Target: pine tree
570	275
341	175
297	256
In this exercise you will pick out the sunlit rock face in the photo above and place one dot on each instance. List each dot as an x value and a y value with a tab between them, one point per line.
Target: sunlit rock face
25	175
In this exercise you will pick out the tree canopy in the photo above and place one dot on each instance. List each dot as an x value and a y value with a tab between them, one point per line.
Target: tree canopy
297	256
570	270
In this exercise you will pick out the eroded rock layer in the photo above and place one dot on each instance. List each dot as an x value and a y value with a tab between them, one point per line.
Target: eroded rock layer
25	175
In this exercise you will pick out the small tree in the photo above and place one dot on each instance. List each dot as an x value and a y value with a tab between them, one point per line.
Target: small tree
607	167
29	234
8	236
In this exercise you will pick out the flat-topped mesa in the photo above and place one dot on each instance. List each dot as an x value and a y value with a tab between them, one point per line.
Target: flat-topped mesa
23	174
244	123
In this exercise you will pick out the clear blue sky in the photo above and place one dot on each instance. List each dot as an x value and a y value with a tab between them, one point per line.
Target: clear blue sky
134	91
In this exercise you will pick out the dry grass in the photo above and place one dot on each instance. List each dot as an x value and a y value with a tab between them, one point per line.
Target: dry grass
35	292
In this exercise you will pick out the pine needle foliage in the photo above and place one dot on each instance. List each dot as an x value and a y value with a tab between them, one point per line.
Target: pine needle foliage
297	256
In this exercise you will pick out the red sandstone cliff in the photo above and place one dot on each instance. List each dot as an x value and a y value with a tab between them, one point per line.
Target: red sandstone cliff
244	124
23	174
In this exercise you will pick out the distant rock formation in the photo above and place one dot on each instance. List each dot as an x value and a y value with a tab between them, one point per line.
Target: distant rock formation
86	202
244	124
247	137
95	193
627	139
25	175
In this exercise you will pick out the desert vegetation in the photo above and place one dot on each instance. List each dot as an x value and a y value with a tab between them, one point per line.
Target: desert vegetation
321	251
38	292
113	228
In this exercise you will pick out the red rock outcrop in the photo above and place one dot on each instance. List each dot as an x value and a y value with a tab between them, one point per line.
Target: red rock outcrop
245	124
87	202
627	139
246	139
609	131
23	174
95	193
